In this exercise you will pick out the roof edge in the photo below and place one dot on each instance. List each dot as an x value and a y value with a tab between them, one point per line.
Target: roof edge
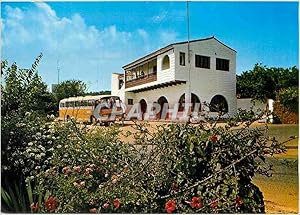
170	46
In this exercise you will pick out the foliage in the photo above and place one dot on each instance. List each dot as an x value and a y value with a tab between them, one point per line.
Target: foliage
263	83
27	144
177	168
102	92
23	90
20	198
289	98
69	88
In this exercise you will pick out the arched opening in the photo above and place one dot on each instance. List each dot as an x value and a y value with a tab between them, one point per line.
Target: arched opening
218	104
194	100
162	101
143	105
166	62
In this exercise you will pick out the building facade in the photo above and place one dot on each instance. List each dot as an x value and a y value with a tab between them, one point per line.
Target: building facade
169	75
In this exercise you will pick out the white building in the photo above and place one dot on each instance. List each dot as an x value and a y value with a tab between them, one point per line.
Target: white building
167	76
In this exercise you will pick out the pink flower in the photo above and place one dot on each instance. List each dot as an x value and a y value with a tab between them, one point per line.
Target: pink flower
34	207
77	169
214	204
88	170
92	165
105	205
66	170
93	210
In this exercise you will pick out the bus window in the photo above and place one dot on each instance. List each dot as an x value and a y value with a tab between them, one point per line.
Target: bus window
70	104
91	102
83	103
77	103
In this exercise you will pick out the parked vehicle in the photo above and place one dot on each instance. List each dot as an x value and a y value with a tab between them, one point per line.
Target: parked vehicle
100	108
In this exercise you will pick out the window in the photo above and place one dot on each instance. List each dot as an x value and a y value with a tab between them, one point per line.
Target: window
222	64
182	58
121	82
166	62
202	61
154	69
130	101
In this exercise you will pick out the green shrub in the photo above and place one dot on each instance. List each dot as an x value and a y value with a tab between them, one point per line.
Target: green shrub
289	98
178	168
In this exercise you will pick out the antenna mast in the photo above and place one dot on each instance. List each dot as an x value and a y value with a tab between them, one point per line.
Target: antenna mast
188	96
58	70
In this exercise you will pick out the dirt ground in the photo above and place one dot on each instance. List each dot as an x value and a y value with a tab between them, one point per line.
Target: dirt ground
281	190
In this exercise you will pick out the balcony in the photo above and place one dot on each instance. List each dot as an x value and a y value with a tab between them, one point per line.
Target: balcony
141	80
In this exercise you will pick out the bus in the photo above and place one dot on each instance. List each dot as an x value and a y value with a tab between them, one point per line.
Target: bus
82	108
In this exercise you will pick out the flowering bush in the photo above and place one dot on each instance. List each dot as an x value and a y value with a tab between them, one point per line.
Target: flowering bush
27	145
178	168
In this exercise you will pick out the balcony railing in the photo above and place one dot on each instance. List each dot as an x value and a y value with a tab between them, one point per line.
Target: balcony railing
141	80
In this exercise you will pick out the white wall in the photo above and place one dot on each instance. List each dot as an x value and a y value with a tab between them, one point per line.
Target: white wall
115	87
248	104
168	74
206	83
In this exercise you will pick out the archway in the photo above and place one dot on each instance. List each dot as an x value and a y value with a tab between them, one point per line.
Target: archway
194	100
162	101
143	105
218	104
166	62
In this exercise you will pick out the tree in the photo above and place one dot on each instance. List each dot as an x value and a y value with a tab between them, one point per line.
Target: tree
102	92
24	91
69	88
263	83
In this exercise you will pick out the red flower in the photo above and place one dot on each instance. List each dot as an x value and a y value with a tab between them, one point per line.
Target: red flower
170	206
196	203
214	204
238	201
93	210
34	207
51	203
213	138
116	203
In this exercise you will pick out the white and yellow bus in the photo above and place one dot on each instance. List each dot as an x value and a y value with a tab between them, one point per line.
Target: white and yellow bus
82	108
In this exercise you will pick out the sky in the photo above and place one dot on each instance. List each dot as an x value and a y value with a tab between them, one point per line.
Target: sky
90	40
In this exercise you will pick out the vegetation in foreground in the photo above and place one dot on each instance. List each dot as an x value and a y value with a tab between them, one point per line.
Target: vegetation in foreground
48	166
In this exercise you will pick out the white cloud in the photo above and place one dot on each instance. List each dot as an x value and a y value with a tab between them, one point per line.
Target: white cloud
84	51
159	18
143	34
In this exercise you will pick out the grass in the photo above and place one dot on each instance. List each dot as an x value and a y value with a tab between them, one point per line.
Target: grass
281	190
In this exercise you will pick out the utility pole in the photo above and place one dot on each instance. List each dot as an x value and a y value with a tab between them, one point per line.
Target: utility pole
188	91
58	70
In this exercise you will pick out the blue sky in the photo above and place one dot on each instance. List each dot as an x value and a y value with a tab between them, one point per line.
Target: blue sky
93	39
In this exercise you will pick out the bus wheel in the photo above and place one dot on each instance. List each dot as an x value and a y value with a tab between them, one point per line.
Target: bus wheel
91	119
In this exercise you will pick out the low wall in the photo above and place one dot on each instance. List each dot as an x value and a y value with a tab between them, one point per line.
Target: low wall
248	104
